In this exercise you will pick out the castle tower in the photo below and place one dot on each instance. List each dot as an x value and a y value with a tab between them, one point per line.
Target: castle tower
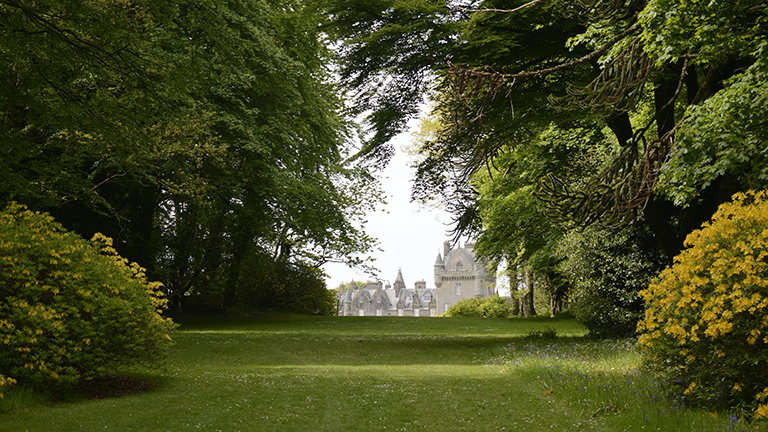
459	276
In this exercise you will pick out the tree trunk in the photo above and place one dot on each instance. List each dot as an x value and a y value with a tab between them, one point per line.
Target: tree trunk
513	273
555	302
552	305
527	297
660	214
621	127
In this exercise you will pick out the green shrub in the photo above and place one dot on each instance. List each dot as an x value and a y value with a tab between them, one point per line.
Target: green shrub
496	307
465	308
607	268
488	307
705	329
71	309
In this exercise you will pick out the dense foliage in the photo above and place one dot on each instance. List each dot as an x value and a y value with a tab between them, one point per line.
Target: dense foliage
607	268
72	309
285	286
559	131
706	327
198	135
488	307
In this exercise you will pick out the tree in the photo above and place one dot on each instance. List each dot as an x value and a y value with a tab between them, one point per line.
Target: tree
625	66
515	223
197	134
388	51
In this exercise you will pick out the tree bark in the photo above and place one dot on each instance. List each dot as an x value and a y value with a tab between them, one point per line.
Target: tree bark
663	98
621	128
527	297
660	214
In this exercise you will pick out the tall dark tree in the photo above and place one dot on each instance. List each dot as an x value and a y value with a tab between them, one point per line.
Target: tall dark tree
196	134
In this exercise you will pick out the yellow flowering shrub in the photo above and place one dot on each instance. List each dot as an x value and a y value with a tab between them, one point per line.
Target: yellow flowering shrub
71	309
705	329
6	382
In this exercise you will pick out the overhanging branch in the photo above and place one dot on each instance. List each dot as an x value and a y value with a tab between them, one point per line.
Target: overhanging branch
531	3
475	73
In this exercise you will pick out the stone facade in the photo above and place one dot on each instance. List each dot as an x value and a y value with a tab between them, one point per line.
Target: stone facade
457	277
377	299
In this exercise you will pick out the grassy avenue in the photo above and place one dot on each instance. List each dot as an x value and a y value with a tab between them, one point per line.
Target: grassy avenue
382	374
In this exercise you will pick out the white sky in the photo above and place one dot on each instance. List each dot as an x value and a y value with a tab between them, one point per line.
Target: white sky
409	234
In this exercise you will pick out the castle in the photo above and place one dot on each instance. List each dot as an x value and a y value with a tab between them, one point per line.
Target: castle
458	276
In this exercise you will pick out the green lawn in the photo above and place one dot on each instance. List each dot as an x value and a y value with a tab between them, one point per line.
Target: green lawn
383	374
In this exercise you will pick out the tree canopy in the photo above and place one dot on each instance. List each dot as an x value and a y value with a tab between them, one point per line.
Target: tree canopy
194	133
549	117
658	79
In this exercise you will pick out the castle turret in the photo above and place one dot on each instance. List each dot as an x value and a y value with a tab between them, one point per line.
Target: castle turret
399	283
347	302
439	268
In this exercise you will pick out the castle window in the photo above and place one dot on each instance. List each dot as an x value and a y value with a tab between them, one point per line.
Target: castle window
458	289
378	312
415	312
399	312
361	312
447	306
459	266
427	296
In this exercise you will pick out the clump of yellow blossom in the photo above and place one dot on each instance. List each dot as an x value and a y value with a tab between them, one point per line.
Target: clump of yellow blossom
705	329
761	412
6	382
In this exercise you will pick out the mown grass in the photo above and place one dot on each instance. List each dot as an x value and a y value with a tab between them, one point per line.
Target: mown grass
381	374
